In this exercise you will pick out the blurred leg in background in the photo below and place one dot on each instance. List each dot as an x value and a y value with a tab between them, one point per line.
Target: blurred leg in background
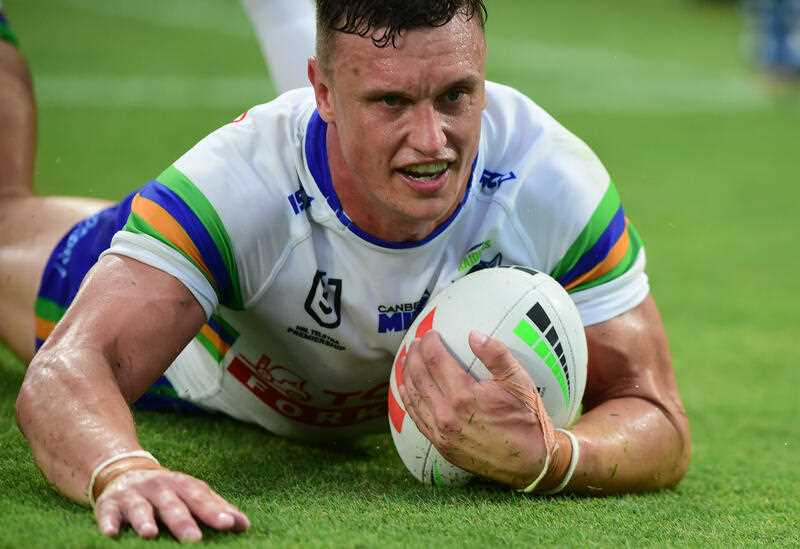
286	31
774	30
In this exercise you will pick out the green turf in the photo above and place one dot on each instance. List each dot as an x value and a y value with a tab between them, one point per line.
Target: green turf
705	154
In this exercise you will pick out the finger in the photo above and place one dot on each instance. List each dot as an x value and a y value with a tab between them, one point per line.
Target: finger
176	516
416	407
411	380
445	371
109	517
500	362
416	369
421	418
210	507
138	512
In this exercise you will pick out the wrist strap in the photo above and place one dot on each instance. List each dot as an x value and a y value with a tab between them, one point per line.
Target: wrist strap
573	463
113	459
532	486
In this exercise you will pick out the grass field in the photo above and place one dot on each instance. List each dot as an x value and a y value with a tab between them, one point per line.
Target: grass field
707	157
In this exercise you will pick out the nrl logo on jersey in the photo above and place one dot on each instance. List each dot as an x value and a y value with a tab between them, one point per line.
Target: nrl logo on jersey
324	300
397	317
491	181
473	259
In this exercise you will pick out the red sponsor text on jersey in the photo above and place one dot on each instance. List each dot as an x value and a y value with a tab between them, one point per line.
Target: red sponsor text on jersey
292	401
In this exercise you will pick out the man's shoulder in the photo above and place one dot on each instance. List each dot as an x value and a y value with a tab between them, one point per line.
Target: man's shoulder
553	167
257	152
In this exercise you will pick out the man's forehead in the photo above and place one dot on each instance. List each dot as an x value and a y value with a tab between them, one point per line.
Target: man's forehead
460	40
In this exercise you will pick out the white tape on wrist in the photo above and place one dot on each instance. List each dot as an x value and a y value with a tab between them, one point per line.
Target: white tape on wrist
573	464
532	486
113	459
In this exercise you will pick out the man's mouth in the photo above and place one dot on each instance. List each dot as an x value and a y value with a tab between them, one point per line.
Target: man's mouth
425	172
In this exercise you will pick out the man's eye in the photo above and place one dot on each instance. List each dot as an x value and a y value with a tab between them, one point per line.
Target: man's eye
454	95
391	100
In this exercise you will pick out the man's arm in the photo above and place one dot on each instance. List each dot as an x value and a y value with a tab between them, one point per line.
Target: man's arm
17	124
125	327
633	436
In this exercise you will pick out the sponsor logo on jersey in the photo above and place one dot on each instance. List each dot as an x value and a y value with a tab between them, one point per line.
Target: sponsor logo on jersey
397	317
491	181
292	396
324	300
494	262
315	336
473	261
299	200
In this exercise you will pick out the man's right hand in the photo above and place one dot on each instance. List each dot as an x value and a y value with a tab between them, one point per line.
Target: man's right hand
139	496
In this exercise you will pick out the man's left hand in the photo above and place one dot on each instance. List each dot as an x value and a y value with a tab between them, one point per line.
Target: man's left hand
496	428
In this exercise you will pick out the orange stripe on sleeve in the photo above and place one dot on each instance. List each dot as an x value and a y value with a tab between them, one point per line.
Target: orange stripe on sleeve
615	255
44	328
161	220
215	339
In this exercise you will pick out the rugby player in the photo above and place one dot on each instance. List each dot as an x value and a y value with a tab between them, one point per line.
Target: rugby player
259	275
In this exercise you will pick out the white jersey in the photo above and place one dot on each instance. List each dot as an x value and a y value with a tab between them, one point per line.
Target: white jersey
306	310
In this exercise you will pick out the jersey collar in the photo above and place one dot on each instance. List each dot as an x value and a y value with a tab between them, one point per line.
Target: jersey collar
317	158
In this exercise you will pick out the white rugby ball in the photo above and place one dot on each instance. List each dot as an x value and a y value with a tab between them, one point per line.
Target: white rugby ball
536	319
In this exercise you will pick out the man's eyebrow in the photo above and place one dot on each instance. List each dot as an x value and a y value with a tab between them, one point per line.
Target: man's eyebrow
466	83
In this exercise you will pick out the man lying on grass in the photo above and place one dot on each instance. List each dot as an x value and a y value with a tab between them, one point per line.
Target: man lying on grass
247	279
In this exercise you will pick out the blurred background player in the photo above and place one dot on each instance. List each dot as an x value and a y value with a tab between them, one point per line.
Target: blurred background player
774	29
285	30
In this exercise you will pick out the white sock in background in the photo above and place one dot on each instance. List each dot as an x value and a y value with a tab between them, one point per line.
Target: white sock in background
286	32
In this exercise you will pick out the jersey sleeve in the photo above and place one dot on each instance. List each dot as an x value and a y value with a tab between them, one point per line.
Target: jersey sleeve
6	34
174	227
567	210
218	219
603	269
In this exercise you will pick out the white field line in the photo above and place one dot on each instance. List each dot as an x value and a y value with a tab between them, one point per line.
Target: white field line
584	92
608	81
164	93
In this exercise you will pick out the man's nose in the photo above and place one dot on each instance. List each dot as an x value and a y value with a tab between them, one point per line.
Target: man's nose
427	132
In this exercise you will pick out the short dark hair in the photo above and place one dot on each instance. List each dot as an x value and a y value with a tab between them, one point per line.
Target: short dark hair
385	20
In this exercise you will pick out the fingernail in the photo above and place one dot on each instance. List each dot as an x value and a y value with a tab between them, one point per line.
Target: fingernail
225	520
192	534
478	337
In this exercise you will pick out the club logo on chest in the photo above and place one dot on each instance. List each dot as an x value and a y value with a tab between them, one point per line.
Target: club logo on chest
324	300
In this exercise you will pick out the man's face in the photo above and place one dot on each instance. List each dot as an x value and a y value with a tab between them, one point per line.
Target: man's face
404	125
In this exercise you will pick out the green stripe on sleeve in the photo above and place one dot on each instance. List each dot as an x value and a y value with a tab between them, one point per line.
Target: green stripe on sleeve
197	201
212	350
49	310
229	330
7	35
597	224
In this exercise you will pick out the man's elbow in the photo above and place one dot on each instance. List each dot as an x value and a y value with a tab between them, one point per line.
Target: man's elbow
681	450
34	389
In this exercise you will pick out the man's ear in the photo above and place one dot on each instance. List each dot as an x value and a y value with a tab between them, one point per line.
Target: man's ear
322	90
